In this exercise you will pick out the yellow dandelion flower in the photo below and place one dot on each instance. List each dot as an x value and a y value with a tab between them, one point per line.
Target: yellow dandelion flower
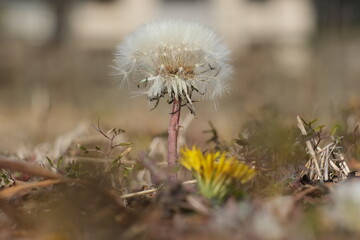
214	171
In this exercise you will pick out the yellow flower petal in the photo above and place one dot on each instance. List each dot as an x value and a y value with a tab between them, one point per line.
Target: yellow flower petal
214	170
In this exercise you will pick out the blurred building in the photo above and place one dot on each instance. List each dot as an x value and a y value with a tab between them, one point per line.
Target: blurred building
100	22
337	15
29	21
287	26
284	25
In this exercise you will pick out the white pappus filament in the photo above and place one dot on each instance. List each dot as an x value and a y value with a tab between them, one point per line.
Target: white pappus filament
176	59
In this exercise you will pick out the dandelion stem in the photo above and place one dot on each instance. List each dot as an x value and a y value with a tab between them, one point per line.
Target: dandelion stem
173	131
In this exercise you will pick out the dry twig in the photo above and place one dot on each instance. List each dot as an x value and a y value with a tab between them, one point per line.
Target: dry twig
32	169
10	192
326	163
151	190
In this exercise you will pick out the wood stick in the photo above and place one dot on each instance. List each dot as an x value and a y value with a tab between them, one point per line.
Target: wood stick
25	167
333	165
309	147
151	190
7	193
326	166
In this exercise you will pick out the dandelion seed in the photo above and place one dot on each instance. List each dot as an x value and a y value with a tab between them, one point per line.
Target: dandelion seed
174	59
177	58
215	172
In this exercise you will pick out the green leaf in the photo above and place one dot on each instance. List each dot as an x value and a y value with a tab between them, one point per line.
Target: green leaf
83	148
59	163
129	169
50	162
313	121
319	128
334	130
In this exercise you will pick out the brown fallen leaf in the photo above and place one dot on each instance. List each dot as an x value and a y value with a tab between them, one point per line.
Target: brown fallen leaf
10	192
24	167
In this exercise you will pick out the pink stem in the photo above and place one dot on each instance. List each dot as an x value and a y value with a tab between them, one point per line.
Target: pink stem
173	131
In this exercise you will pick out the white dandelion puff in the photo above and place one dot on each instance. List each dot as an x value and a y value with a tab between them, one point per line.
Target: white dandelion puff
176	59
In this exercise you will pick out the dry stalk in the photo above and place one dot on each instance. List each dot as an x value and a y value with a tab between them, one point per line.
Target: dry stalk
24	167
326	163
151	190
8	193
310	148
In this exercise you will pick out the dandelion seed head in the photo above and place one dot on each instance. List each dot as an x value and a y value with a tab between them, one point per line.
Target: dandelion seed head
174	58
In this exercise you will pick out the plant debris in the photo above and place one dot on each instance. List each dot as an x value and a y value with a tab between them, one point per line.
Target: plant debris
326	160
97	188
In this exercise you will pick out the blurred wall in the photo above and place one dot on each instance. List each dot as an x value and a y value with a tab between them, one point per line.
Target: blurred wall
241	21
285	24
97	24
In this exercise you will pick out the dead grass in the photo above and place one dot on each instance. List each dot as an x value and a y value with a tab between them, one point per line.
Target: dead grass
89	195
